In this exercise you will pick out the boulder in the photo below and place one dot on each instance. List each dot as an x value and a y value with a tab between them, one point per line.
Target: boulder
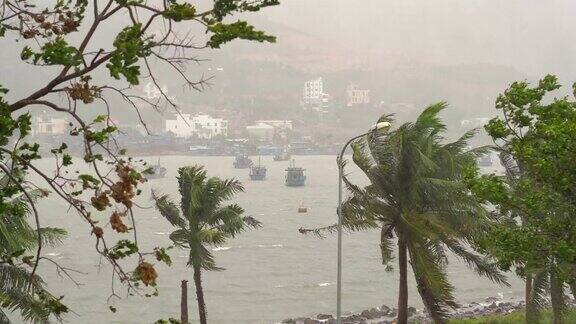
491	299
324	316
385	309
288	321
412	311
373	313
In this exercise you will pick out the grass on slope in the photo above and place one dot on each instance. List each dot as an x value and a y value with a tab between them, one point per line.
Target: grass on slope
513	318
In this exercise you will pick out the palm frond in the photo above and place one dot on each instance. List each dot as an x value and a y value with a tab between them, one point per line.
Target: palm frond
4	318
537	298
212	236
573	289
319	232
461	144
17	293
478	263
513	172
181	237
431	279
252	222
15	277
361	157
52	236
168	209
200	256
389	118
386	244
429	120
30	308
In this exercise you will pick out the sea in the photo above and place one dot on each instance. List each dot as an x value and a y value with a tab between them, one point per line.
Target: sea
270	274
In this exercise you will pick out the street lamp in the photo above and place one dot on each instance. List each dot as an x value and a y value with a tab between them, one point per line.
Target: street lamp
375	128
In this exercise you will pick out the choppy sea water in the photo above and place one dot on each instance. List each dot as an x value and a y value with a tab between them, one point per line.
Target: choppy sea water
271	273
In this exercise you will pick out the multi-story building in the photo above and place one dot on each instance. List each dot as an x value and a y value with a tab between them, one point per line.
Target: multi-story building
277	124
200	126
356	96
314	92
260	132
52	126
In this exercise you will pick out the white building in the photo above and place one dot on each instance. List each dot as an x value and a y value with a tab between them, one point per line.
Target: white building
53	126
356	96
474	123
314	92
262	132
200	126
277	124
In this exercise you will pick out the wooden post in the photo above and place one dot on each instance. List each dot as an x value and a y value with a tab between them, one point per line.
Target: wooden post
184	303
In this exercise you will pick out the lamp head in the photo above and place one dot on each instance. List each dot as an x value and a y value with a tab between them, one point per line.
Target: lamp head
384	125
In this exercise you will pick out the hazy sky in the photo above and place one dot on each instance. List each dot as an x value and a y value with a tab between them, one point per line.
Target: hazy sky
534	36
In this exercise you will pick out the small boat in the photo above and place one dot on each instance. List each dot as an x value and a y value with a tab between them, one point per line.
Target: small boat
295	176
302	209
242	162
156	172
485	160
282	156
258	172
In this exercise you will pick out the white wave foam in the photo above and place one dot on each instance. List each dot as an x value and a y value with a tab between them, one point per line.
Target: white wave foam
270	246
320	284
53	254
161	233
222	248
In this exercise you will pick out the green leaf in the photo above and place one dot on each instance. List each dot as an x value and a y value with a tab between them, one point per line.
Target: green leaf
224	33
180	12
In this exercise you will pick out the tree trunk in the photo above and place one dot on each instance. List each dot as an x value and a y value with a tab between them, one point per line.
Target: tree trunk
200	295
184	303
403	288
528	288
557	299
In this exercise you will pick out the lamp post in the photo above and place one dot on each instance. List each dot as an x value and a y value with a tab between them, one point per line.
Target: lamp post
377	127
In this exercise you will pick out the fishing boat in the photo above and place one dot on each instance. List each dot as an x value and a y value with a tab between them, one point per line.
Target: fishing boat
295	176
242	162
302	209
282	156
156	172
485	160
258	172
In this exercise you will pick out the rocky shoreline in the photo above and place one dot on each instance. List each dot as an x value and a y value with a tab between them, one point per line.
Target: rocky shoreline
387	315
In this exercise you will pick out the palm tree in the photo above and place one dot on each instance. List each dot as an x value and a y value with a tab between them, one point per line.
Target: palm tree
415	196
202	221
19	291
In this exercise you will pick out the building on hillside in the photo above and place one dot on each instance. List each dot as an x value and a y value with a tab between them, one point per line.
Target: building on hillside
474	123
260	132
199	126
314	94
50	126
356	96
277	124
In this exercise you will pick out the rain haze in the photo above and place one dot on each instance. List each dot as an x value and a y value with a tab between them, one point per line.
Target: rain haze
190	167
